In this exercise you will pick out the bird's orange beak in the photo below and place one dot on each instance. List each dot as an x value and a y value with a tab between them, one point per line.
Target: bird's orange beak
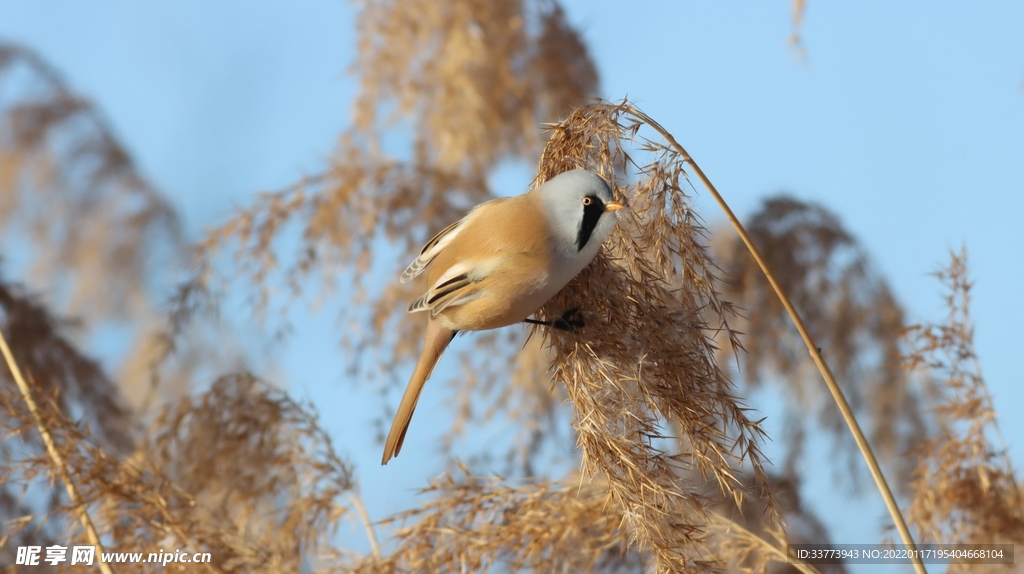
613	206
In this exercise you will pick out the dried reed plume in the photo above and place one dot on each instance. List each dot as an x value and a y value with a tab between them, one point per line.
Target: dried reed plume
964	489
63	380
60	162
473	76
644	366
474	524
241	472
99	237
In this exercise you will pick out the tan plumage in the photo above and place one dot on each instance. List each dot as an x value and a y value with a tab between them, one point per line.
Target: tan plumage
499	264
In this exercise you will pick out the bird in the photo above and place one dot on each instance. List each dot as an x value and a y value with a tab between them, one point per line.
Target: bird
499	264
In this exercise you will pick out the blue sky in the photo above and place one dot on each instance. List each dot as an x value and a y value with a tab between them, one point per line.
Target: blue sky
906	118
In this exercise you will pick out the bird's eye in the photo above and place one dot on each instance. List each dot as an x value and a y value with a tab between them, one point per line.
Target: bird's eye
587	201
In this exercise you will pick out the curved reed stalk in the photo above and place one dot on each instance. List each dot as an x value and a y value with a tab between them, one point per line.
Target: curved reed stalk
58	460
815	352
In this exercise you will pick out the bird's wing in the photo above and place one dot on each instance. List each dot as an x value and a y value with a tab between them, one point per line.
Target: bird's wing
432	248
458	285
440	241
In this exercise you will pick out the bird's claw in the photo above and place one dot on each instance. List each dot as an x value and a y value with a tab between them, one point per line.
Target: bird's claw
570	321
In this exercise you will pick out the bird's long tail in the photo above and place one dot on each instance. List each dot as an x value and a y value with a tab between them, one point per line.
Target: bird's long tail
435	342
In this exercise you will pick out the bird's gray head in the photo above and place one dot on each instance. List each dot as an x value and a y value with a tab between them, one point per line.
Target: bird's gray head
580	209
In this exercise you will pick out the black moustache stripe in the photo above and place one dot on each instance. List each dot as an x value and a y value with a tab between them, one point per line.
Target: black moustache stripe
591	214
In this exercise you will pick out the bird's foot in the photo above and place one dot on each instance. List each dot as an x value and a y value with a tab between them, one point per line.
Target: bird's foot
570	321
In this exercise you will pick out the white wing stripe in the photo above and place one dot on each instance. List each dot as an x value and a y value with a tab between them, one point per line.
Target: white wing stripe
437	243
430	251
